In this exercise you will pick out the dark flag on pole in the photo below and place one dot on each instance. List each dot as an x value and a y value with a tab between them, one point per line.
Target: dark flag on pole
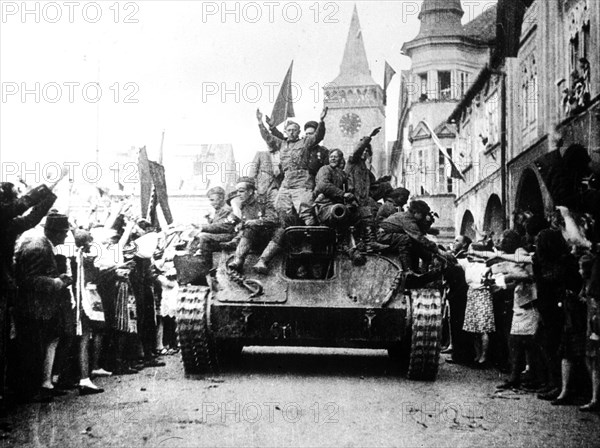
153	187
284	107
508	26
157	171
387	77
145	180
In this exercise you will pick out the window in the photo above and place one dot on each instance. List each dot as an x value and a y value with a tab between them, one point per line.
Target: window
579	38
464	84
529	98
574	50
441	172
493	118
423	86
444	180
444	85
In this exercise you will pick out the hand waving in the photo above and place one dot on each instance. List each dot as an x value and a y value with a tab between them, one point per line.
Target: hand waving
324	113
375	131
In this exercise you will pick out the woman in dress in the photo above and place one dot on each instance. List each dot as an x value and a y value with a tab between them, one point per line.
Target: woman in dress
479	313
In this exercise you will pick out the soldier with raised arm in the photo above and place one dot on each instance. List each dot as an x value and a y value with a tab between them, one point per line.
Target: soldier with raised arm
296	191
359	184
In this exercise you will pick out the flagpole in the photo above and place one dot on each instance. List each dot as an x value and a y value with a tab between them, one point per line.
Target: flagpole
160	153
443	150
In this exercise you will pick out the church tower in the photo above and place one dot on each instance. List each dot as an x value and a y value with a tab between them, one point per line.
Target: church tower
355	102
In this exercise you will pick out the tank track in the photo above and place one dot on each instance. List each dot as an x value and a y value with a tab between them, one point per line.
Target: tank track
426	329
197	347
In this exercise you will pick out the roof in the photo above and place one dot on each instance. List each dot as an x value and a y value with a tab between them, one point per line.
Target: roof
354	70
483	27
440	19
439	5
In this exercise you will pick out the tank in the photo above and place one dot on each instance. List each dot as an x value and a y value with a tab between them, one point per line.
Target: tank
314	295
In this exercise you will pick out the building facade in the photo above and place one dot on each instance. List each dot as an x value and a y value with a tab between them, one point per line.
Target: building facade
542	100
446	57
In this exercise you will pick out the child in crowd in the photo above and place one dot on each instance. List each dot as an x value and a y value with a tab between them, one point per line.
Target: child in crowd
525	319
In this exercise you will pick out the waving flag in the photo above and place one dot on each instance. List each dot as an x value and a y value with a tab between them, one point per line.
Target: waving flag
387	77
284	107
454	172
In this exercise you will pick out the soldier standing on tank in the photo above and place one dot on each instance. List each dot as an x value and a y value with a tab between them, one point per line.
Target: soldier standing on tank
296	191
259	228
318	156
359	183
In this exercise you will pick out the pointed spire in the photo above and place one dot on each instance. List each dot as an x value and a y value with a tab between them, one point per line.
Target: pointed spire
354	70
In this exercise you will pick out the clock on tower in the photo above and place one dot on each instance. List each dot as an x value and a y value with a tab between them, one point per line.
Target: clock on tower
350	124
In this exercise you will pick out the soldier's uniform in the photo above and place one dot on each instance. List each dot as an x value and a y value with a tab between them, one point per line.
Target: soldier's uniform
318	156
266	172
404	233
386	210
264	233
359	184
220	229
394	201
296	191
330	190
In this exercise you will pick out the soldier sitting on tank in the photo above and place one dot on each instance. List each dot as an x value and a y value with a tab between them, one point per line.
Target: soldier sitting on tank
220	228
335	207
359	183
259	228
393	203
405	232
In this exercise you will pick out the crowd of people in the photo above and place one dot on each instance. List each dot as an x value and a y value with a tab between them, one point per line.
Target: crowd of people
80	301
99	299
528	302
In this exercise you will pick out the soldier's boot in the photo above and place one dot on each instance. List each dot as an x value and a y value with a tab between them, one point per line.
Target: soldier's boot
270	251
308	217
405	262
205	258
241	252
371	244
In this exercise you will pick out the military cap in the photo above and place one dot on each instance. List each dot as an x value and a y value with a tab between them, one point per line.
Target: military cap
249	181
216	190
398	194
311	124
419	207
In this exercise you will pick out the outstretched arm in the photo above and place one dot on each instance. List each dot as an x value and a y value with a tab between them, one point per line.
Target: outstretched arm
273	129
313	140
273	142
30	220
